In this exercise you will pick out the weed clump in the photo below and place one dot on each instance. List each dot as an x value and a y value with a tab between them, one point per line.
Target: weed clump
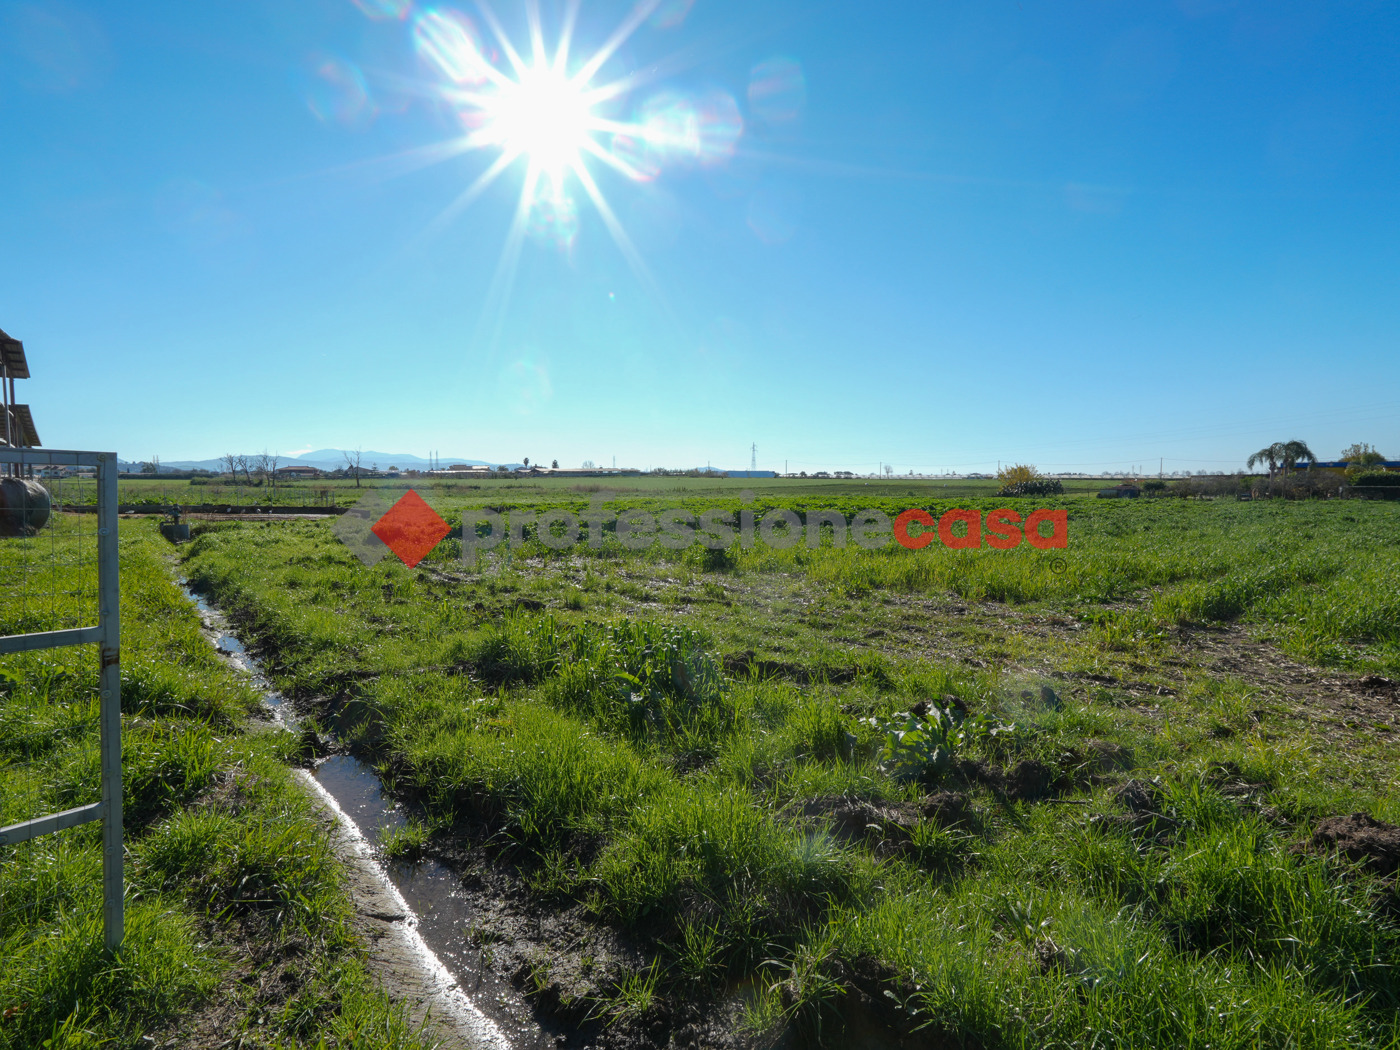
920	744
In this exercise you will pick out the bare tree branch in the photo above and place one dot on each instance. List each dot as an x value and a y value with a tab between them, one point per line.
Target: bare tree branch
352	462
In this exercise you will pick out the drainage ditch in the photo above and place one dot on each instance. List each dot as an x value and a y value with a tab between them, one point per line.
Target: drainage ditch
413	914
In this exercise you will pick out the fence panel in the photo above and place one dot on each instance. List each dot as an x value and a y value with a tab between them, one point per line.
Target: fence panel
60	687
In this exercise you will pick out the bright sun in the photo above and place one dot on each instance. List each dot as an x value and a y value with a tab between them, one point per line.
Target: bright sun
542	116
545	111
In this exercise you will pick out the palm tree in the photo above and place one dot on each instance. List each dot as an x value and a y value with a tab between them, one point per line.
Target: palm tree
1282	455
1270	454
1294	452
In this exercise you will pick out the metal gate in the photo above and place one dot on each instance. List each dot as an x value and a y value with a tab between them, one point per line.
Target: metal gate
105	633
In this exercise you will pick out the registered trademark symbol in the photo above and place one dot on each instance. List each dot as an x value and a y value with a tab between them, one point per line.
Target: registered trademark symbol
1058	566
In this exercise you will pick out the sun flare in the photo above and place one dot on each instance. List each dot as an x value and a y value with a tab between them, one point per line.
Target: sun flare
544	117
547	111
553	115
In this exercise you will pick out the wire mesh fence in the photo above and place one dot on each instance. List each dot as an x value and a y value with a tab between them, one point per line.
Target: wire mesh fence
60	749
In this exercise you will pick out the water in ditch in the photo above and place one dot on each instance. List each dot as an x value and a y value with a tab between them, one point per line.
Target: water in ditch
438	910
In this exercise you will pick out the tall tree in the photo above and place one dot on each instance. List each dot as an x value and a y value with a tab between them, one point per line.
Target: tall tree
352	462
1361	454
269	463
1295	452
1270	454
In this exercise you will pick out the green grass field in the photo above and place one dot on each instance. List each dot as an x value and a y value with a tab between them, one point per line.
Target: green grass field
528	491
736	760
236	929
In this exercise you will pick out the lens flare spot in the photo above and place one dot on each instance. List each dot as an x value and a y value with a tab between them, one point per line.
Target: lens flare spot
669	14
196	212
337	92
676	129
720	127
633	153
524	386
670	127
777	90
554	218
775	213
48	47
448	41
383	10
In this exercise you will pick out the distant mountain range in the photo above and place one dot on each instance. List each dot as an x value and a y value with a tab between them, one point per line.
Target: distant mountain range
328	459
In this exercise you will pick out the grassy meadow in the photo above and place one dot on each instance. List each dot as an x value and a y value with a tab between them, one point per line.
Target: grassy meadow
236	930
973	798
524	491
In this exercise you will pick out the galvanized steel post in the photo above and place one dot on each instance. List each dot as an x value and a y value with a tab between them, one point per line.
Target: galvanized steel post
107	635
109	600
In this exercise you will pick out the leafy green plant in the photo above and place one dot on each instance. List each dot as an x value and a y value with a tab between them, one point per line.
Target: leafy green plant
1017	474
1033	487
710	559
1020	479
921	745
914	747
1377	478
1360	458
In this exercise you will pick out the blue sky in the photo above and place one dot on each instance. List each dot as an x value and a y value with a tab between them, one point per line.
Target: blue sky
935	234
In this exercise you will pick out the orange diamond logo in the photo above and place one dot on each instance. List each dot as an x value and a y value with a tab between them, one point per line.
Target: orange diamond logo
411	528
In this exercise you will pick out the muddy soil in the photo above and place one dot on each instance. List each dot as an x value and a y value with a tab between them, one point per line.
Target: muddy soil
567	966
1359	837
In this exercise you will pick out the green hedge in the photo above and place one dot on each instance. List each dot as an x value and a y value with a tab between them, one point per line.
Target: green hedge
1373	478
1037	487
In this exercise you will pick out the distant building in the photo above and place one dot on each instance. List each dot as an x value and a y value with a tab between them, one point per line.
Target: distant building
298	470
581	472
1124	491
459	470
1340	465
